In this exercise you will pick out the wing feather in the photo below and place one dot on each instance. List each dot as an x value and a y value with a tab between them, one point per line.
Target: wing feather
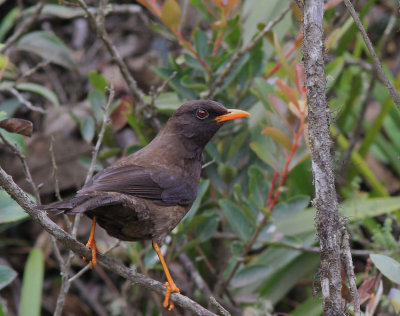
148	183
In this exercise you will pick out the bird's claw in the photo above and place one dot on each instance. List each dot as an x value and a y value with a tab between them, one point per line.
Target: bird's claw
170	288
91	244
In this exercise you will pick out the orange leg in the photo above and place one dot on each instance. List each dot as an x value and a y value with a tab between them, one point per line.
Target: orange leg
91	244
170	284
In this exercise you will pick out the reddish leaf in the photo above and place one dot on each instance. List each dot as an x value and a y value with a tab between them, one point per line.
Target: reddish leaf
18	126
171	14
118	118
288	92
150	6
366	289
299	78
225	5
294	109
279	105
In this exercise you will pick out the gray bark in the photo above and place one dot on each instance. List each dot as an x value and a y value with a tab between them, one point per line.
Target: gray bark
325	201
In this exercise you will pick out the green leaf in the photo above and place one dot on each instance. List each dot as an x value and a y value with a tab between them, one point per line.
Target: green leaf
310	307
262	89
306	265
10	210
281	56
7	275
166	103
353	209
207	228
97	102
389	267
32	284
48	46
257	186
189	82
13	138
201	43
98	81
8	22
236	218
249	275
88	129
171	14
39	89
203	187
333	70
59	11
278	136
290	207
264	152
394	299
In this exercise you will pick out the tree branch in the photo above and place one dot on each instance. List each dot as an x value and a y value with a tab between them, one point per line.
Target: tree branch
40	217
325	201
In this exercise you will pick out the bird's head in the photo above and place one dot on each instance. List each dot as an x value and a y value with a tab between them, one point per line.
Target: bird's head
198	120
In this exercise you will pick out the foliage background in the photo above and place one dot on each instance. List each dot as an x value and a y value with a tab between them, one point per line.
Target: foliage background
250	235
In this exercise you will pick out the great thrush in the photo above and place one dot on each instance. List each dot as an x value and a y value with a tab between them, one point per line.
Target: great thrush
145	195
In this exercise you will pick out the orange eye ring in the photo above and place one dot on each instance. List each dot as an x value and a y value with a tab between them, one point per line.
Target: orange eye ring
202	114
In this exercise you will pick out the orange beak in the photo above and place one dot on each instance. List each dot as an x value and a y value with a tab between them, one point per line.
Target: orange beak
231	115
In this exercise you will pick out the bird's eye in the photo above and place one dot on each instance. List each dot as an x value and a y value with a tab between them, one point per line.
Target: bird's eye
201	114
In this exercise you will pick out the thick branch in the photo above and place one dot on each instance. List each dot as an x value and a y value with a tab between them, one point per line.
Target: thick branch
328	226
40	217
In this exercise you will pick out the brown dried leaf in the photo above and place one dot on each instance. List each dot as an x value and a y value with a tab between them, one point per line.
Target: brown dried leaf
118	118
18	126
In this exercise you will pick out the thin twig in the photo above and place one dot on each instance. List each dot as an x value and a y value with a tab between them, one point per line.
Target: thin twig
25	102
87	267
111	9
31	71
141	107
202	285
25	26
156	93
40	217
349	268
239	53
378	66
65	285
17	151
55	169
101	134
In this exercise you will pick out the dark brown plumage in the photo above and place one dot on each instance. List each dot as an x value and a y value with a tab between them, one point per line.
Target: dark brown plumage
145	195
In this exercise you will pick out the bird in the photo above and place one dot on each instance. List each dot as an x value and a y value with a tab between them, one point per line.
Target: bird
145	195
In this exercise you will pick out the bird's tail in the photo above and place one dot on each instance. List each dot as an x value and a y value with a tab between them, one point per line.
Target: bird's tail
79	204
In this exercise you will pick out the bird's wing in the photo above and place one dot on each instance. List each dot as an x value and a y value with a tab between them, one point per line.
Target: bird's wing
148	183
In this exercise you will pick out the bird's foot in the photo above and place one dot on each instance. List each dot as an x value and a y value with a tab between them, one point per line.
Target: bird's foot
171	288
91	244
